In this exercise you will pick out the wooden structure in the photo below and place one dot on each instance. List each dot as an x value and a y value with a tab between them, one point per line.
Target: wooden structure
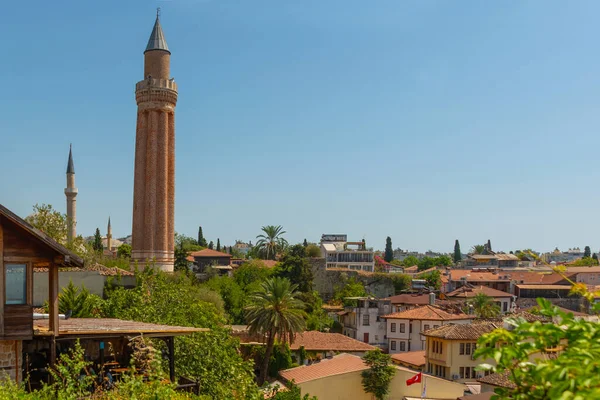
23	248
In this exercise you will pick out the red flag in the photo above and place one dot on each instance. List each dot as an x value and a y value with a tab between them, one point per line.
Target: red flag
414	379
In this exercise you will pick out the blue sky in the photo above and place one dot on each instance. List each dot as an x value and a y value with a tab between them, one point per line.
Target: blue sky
423	120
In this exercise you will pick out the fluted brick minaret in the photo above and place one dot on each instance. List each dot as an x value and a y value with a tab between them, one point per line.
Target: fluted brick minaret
154	181
71	194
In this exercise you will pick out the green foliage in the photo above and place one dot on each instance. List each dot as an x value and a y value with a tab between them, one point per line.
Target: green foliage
584	262
429	262
305	243
296	267
124	251
478	249
55	225
376	380
80	301
389	252
181	262
312	250
201	240
587	253
271	241
188	243
410	261
281	358
352	288
293	393
97	243
483	306
211	358
218	244
251	273
457	253
574	373
318	319
211	245
232	294
433	279
595	257
275	312
401	282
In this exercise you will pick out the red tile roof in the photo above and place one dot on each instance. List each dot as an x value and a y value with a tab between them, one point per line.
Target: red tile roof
506	276
319	341
340	364
463	332
209	253
427	313
466	292
498	379
410	299
416	358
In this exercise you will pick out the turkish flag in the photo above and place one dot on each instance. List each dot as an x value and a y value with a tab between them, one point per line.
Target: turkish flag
414	379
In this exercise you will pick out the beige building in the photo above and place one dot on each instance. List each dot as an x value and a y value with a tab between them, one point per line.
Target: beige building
405	328
450	349
339	378
504	300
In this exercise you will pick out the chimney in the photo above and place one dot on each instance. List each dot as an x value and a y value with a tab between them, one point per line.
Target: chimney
431	299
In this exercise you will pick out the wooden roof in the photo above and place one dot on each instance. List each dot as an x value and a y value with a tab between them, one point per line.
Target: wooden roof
103	327
70	258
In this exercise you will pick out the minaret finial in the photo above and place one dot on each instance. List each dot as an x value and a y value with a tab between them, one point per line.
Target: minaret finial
157	12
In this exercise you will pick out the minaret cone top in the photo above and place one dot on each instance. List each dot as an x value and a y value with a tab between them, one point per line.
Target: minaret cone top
70	166
157	39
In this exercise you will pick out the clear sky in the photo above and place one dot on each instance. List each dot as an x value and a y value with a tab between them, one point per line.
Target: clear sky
427	121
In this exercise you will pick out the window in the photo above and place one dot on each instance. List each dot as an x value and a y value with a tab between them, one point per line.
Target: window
468	349
408	346
426	327
441	347
505	306
366	320
461	350
402	346
402	328
393	327
377	338
410	327
393	344
16	284
436	326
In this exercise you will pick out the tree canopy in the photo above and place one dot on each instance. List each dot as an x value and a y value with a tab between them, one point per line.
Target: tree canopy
271	241
389	252
376	380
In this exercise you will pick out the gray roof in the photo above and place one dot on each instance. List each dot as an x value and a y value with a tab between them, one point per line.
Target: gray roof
70	166
157	39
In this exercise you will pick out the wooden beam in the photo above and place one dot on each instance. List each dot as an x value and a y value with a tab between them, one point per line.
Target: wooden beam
42	264
59	260
171	345
53	299
22	260
2	277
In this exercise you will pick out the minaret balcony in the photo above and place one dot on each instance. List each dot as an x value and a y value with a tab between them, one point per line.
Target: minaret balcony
156	83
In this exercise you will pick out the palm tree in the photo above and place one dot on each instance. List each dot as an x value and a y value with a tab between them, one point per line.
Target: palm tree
274	311
484	306
271	240
478	249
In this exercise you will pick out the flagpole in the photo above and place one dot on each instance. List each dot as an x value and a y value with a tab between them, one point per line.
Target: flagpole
422	381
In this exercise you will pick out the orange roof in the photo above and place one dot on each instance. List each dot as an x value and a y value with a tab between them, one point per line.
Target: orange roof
410	299
416	358
340	364
465	292
209	253
506	276
427	313
319	341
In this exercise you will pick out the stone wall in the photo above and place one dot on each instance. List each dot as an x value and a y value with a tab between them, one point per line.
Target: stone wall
570	303
325	281
10	359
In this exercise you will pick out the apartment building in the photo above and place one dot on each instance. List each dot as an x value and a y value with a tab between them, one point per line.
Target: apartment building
340	253
405	328
364	322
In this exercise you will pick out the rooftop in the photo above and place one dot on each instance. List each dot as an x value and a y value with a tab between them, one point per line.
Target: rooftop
506	276
463	331
110	327
157	39
208	253
498	379
410	299
427	313
468	292
340	364
319	341
416	358
101	269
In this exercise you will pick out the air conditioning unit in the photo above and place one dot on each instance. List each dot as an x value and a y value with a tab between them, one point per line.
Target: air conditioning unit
455	376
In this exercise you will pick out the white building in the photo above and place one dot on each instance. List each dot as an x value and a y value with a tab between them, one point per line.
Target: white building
339	253
364	322
405	328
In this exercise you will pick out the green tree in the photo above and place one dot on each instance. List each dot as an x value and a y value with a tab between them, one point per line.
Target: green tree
478	249
271	241
275	312
211	245
483	306
201	241
188	243
296	267
124	251
181	261
457	253
97	243
318	319
218	244
587	253
312	250
584	262
352	288
433	279
401	282
54	224
410	261
573	373
389	252
489	246
595	257
79	301
376	380
305	243
292	393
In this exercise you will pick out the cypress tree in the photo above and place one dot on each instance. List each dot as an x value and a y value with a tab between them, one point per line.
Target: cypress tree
457	254
389	253
97	244
489	245
218	245
305	244
587	253
201	240
211	245
595	257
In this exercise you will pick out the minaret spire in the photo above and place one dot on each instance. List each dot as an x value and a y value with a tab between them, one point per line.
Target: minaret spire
109	236
157	39
71	194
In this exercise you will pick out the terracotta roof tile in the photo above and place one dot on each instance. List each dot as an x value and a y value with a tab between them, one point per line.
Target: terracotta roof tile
498	379
319	341
209	253
506	276
428	313
410	299
463	332
340	364
466	292
416	358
